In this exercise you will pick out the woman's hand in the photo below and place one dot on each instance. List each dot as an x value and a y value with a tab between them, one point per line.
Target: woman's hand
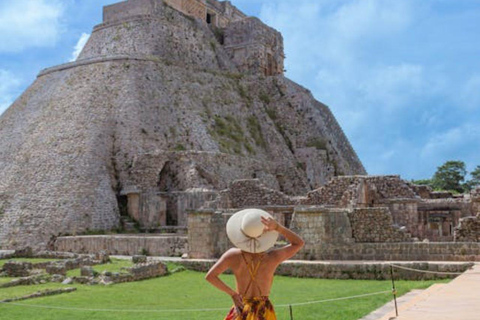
270	224
238	302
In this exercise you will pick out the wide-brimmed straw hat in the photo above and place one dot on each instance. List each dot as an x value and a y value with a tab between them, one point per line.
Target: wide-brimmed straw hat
245	231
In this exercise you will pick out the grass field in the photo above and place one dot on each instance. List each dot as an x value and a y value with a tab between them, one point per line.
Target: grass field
189	290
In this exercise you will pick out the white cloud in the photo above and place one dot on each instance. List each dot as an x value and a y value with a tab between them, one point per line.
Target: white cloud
29	23
448	145
9	85
79	46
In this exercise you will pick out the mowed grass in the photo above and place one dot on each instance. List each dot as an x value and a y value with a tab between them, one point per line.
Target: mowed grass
185	290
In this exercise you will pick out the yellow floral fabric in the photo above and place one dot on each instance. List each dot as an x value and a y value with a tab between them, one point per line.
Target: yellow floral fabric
258	308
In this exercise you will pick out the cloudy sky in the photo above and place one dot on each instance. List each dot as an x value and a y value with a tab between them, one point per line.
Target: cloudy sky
401	76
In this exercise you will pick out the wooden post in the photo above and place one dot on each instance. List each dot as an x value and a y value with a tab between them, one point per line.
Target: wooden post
394	290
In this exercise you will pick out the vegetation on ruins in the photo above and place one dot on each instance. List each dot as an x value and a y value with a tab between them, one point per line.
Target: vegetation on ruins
451	176
188	290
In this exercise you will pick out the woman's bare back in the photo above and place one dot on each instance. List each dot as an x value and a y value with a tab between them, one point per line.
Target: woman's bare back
253	273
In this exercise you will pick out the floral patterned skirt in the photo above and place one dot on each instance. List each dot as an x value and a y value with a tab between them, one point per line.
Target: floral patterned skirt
257	308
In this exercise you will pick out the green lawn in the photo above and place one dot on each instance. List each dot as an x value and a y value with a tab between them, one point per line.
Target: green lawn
189	290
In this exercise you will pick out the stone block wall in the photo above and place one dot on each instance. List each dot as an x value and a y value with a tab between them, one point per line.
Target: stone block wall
345	191
375	225
333	192
320	226
468	229
158	245
206	234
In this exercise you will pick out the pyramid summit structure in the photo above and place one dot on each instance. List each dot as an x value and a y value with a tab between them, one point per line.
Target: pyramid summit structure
168	103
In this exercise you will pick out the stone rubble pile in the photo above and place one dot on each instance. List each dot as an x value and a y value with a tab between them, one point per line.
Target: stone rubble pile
468	230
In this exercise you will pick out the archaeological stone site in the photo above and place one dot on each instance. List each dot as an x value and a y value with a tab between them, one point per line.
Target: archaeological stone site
176	114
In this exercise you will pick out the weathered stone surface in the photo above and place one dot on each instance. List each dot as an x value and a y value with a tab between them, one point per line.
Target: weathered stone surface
17	268
148	270
139	259
160	245
56	268
468	230
87	271
375	225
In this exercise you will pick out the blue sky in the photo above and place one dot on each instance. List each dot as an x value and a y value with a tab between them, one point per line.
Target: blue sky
402	77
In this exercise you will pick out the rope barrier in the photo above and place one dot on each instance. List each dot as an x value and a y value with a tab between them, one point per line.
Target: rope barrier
188	310
334	299
425	271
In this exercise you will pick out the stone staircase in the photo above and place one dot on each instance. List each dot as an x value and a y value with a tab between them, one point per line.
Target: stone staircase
128	225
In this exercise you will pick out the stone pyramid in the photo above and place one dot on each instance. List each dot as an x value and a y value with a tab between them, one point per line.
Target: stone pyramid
166	97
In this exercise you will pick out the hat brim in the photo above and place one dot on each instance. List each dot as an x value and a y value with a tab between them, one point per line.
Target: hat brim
261	244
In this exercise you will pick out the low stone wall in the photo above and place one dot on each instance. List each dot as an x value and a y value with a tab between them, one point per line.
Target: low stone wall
405	251
39	294
158	245
358	271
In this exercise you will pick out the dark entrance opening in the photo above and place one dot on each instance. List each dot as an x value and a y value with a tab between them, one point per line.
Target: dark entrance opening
123	205
209	18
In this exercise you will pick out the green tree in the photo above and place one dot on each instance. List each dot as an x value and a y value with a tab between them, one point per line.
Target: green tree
450	176
475	181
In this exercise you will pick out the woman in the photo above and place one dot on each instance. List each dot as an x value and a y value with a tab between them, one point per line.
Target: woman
253	232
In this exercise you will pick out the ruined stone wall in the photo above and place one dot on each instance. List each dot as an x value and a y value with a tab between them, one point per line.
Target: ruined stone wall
375	225
334	193
328	236
251	193
345	191
468	229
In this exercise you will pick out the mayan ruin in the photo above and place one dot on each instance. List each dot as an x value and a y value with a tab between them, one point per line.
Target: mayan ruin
176	114
260	160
